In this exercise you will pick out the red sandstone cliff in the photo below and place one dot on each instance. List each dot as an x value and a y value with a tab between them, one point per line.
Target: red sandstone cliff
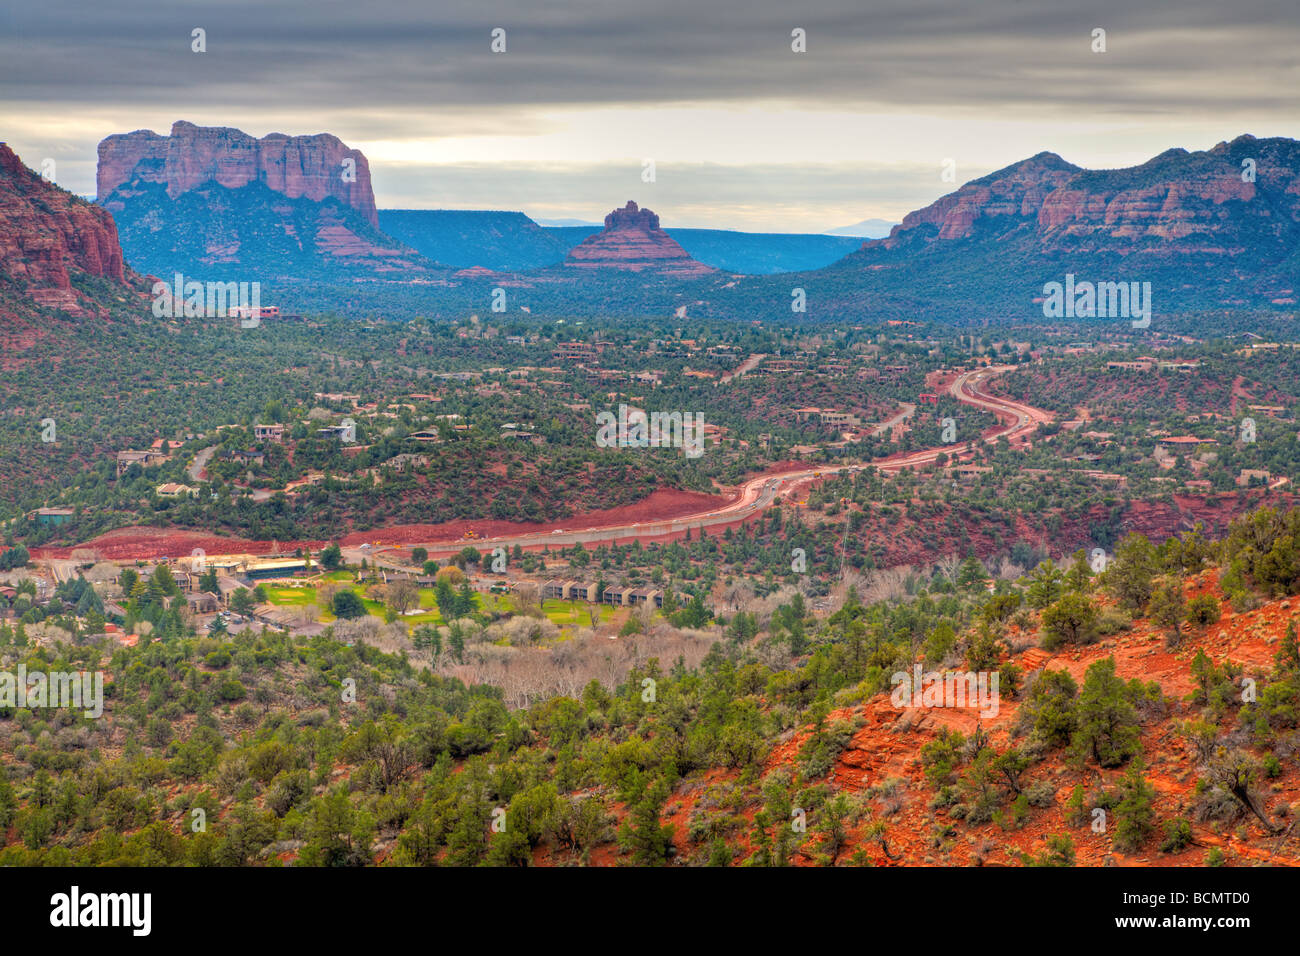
1217	227
632	241
1175	203
296	166
47	235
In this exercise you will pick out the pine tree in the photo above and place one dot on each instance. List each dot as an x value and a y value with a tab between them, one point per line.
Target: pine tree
1108	724
1287	658
1134	814
642	834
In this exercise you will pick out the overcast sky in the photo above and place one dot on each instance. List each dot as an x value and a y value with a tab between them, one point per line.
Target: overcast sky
744	132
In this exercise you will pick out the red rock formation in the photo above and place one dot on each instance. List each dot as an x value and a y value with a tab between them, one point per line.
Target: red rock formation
632	241
310	166
1175	203
47	234
476	272
1015	193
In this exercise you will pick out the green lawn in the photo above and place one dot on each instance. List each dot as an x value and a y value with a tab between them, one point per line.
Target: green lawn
290	597
567	613
429	613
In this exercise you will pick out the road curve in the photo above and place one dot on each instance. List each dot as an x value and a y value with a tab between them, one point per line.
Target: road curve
1016	421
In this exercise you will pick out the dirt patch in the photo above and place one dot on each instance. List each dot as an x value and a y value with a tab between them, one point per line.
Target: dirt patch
125	544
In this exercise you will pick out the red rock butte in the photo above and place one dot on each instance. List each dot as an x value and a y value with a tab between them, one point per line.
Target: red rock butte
295	166
632	241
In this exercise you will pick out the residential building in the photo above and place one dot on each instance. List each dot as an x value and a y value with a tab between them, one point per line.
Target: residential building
51	516
145	459
227	586
559	590
642	596
246	456
202	602
171	489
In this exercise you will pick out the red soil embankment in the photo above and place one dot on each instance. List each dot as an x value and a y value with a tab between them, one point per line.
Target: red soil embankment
125	544
661	505
145	543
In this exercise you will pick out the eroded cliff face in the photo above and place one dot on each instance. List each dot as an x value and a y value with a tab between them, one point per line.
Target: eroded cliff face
214	201
633	242
1012	195
1212	202
47	235
314	167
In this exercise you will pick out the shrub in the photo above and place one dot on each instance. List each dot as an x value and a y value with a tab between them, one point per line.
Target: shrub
1178	836
1112	620
1071	620
1041	793
1203	611
1134	814
231	690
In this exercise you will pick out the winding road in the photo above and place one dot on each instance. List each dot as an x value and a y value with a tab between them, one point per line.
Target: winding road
1016	421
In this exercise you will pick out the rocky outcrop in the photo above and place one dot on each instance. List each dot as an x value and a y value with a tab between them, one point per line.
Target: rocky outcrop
1177	203
633	242
1013	194
1217	228
213	202
48	236
315	167
216	232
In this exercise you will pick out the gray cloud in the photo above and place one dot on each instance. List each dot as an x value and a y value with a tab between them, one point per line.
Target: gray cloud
393	70
404	53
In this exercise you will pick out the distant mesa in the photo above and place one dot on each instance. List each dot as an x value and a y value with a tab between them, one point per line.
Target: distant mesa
866	229
633	242
496	240
315	167
207	200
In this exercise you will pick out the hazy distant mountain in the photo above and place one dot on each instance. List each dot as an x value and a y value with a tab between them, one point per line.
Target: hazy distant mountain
866	229
745	253
512	242
570	236
1212	229
502	241
763	253
566	222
